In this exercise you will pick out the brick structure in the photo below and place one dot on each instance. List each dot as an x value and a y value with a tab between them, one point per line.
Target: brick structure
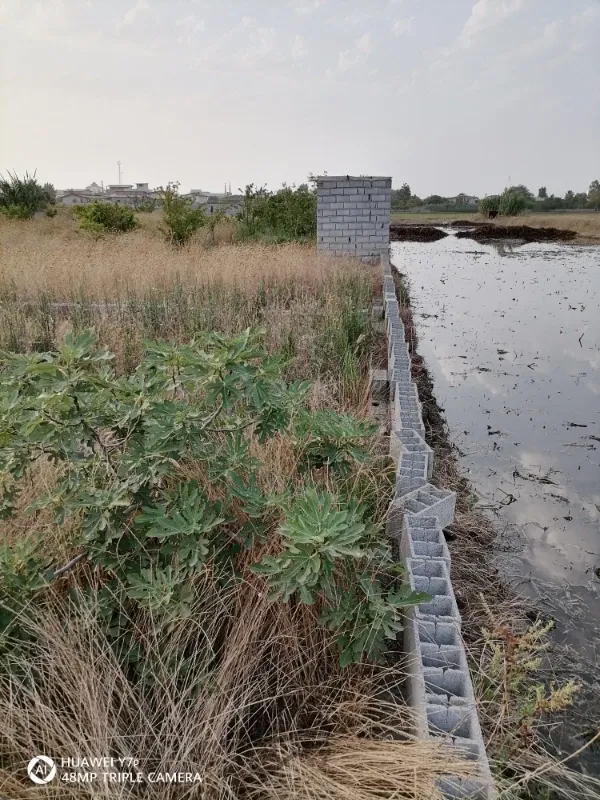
353	215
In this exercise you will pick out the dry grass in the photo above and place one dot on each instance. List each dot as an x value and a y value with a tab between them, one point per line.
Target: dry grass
51	256
245	692
587	225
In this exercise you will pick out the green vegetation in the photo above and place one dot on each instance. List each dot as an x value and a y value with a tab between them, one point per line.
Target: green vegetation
490	206
145	205
180	221
100	218
288	214
20	198
404	200
511	203
594	194
120	446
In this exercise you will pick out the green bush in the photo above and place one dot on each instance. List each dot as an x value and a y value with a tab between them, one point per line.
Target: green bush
286	215
124	449
490	206
180	221
99	218
20	198
16	212
511	203
145	205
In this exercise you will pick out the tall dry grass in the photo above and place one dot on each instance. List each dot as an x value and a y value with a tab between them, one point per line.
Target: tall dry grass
275	719
51	256
587	225
245	691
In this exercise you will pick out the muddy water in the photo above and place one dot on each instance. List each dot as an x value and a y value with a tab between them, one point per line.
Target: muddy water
511	336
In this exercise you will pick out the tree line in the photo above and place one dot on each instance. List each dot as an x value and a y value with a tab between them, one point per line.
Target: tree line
403	199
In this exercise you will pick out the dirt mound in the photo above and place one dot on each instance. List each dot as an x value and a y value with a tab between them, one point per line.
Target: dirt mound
488	232
415	233
462	223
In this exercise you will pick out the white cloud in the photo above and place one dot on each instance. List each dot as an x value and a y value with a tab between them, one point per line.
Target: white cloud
192	24
350	58
486	14
347	59
402	26
298	49
356	18
129	17
364	43
260	43
309	8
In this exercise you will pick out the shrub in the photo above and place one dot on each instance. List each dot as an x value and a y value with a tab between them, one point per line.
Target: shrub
51	211
286	215
180	220
126	450
145	205
99	218
20	198
490	206
511	203
13	211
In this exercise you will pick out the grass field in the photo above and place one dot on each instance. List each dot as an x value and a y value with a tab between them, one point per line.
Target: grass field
271	714
587	225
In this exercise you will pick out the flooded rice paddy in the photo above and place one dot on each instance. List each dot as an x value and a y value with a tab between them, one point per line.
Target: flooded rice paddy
511	336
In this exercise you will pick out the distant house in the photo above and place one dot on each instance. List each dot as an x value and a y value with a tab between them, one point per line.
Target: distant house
213	202
128	194
463	200
120	193
73	197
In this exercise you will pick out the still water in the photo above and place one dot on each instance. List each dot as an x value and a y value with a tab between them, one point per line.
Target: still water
511	337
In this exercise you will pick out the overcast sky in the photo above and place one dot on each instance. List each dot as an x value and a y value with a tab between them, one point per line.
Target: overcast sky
448	95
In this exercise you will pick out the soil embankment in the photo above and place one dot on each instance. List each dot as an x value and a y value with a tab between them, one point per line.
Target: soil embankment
482	232
486	232
408	232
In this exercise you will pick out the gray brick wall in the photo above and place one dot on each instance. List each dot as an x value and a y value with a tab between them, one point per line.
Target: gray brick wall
353	215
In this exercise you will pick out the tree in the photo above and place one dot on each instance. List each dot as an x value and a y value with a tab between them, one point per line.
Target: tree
512	203
521	191
22	197
542	193
434	200
401	198
489	206
594	194
180	220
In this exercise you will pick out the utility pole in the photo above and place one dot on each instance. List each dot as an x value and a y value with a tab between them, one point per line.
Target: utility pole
119	166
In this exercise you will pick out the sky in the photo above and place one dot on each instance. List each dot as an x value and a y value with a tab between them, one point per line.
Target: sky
448	95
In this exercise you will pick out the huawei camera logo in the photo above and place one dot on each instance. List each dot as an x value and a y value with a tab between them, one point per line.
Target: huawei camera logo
41	769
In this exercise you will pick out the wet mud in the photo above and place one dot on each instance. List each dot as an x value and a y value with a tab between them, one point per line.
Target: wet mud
487	232
416	233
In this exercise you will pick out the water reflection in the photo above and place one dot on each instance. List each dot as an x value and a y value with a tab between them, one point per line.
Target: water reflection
511	335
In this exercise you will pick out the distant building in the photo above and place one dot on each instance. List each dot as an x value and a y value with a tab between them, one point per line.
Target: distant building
129	194
213	202
74	197
463	200
119	193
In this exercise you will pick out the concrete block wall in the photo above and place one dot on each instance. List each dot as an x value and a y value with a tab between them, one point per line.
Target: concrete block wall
353	215
439	687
